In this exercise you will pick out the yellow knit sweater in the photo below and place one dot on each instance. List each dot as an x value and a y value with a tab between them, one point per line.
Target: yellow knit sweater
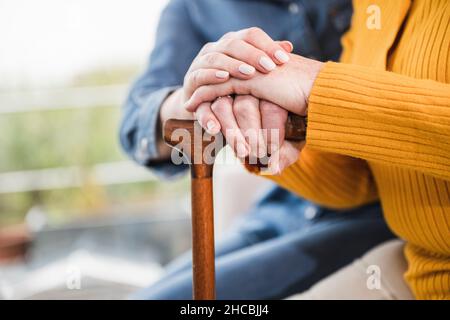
379	127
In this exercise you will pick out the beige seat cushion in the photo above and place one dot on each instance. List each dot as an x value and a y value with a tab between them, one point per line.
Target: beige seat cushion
378	275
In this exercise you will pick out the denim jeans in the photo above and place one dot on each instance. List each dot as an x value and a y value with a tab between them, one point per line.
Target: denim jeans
256	259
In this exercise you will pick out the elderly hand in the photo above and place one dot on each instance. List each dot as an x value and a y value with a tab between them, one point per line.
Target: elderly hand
255	128
242	120
239	55
287	87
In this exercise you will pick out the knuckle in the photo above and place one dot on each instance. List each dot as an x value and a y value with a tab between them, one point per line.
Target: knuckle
271	109
227	42
219	106
210	58
207	47
198	98
243	103
252	32
196	77
239	107
228	35
234	43
267	107
238	87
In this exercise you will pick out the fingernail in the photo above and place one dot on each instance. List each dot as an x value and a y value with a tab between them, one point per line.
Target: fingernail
210	126
222	74
267	64
242	150
281	56
246	69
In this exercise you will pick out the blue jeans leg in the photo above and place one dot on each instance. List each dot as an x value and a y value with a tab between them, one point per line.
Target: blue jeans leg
284	265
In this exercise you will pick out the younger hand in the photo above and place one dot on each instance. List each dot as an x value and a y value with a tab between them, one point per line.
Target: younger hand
288	86
237	55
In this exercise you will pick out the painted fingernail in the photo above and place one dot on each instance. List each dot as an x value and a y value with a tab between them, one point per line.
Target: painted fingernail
281	56
246	69
222	74
267	64
211	125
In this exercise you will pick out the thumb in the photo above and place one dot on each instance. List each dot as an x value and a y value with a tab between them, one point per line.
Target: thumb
288	154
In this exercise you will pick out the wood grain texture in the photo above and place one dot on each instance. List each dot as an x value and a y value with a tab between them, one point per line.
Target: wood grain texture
203	239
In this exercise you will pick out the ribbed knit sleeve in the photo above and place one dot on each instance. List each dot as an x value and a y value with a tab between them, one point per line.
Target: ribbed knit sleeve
329	179
393	125
381	116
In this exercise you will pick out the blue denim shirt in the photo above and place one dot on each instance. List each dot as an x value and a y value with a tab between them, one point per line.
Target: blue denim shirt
314	28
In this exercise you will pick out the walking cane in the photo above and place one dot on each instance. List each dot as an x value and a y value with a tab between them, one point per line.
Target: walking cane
203	263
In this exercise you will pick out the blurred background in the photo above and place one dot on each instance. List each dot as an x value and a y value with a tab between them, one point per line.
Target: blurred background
78	220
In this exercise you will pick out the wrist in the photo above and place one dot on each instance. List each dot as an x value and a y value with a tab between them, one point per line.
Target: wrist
171	108
310	69
315	68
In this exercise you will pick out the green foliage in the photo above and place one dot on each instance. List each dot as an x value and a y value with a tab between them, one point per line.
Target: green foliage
79	137
59	138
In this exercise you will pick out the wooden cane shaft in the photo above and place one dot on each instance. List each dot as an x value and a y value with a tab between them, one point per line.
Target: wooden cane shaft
203	238
202	205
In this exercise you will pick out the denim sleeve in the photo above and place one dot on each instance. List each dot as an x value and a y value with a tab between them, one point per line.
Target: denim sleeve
177	43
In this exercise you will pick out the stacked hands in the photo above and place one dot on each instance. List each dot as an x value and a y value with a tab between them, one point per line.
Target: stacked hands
243	83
